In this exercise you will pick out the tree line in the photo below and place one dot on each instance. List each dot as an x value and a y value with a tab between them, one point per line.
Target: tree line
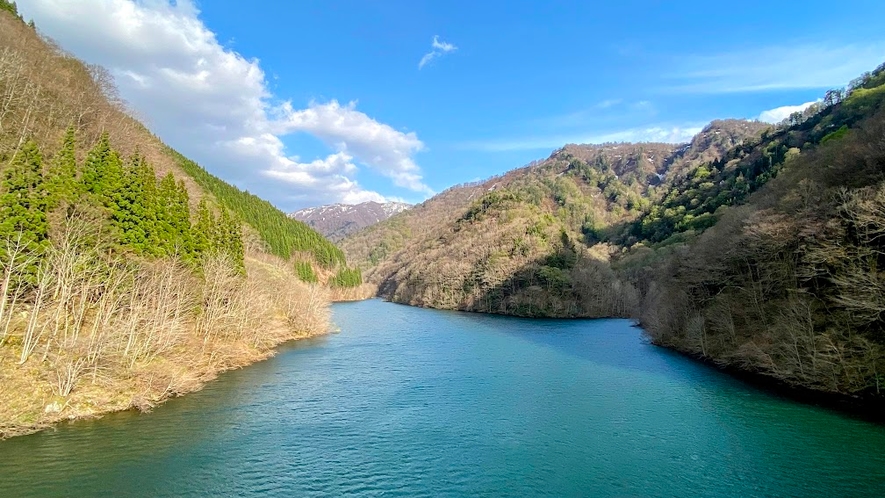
140	214
284	236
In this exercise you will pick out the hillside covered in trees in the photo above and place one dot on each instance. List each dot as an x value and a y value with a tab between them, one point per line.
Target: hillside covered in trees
525	243
753	246
128	273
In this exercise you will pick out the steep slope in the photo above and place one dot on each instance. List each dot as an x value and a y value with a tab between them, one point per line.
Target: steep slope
337	221
523	243
789	284
757	248
128	274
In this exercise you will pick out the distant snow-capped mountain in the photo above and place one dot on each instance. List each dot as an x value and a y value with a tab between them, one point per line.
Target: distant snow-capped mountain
337	221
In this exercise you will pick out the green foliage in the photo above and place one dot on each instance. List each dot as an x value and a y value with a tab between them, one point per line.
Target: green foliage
135	209
62	183
9	7
212	235
103	173
347	277
553	278
692	201
228	238
305	272
283	235
836	135
492	201
564	258
171	217
204	229
142	215
23	206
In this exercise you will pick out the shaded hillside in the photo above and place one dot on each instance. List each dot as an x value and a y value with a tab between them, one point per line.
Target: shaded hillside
128	274
337	221
758	248
525	243
789	284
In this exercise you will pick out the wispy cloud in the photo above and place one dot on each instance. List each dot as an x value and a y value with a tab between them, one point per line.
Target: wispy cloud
605	104
779	114
810	66
654	133
216	105
608	110
437	48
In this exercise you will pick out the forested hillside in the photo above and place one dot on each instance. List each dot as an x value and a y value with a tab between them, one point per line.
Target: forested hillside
128	274
789	284
754	246
525	243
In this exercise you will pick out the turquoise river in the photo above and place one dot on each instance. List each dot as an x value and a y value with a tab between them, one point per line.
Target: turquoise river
412	402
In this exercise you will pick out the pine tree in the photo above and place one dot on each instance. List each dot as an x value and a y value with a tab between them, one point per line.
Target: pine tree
229	238
181	223
62	186
165	235
203	230
102	172
131	218
305	272
23	203
10	7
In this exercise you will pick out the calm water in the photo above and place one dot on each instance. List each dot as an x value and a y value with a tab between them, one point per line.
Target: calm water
412	402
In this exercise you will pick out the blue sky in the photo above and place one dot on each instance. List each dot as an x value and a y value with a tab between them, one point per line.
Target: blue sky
310	102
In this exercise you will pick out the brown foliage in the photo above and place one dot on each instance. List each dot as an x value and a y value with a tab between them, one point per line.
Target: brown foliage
44	90
791	285
99	333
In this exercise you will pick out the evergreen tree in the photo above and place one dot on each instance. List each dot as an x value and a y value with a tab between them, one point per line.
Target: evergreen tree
132	218
181	223
203	230
165	236
23	203
305	272
102	172
229	238
61	178
283	235
10	7
347	277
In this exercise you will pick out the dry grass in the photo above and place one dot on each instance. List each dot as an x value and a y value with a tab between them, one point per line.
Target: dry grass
364	291
98	335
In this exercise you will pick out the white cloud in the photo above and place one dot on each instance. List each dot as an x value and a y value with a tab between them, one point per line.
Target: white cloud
605	104
437	48
779	114
609	112
817	66
214	104
655	133
384	149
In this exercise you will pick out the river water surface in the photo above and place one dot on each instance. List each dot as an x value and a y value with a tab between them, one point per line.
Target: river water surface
413	402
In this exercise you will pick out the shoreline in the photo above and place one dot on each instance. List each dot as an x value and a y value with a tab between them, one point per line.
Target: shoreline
866	408
869	409
133	399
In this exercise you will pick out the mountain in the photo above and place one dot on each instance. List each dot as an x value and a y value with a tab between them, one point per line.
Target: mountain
128	273
337	221
511	244
755	247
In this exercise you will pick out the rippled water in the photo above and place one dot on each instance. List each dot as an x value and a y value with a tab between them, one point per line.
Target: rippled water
412	402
